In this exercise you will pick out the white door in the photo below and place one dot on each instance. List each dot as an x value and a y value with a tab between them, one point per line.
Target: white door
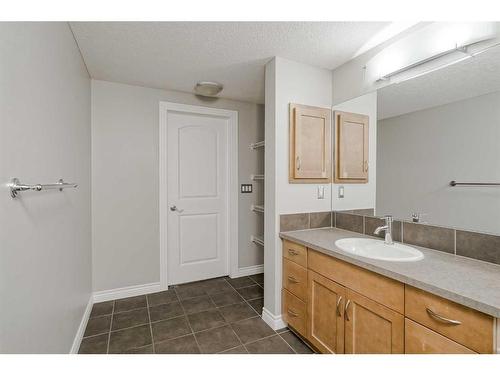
197	185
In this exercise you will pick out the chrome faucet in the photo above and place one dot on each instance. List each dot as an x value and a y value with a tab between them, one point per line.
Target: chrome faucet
387	228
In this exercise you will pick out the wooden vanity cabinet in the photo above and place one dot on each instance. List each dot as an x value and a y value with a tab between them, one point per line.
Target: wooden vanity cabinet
348	309
461	324
351	147
294	294
325	314
372	328
421	340
310	152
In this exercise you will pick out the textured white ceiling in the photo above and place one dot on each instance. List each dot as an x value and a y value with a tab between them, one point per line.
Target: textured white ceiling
175	55
476	76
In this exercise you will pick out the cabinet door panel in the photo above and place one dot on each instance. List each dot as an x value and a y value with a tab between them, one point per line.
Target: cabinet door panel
295	252
351	151
295	279
474	330
325	328
371	328
294	312
310	144
421	340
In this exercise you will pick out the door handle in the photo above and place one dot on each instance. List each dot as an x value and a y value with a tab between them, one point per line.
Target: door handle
293	280
345	310
298	163
339	313
174	208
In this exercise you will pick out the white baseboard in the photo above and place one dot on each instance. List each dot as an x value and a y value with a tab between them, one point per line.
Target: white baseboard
130	291
273	321
81	328
247	271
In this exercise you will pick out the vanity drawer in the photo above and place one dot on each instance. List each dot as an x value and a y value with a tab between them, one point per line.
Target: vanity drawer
294	312
379	288
295	252
466	326
421	340
295	279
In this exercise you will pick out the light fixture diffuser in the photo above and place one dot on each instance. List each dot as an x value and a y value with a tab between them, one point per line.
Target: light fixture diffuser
207	88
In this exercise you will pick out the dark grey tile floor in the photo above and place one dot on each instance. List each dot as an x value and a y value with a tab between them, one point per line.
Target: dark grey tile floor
213	316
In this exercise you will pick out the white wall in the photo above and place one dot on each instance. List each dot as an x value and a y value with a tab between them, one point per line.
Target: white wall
45	237
125	181
419	153
287	82
360	195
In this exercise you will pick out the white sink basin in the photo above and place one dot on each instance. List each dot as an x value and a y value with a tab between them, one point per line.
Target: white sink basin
377	249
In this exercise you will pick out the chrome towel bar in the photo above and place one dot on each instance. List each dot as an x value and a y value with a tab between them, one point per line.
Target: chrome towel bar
15	186
454	183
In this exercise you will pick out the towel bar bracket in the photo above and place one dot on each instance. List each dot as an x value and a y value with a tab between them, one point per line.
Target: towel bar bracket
16	186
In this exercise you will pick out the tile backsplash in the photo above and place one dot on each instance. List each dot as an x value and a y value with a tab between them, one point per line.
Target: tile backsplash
485	247
307	220
437	238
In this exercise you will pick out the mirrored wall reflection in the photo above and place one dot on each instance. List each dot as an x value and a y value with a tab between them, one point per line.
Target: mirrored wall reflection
441	127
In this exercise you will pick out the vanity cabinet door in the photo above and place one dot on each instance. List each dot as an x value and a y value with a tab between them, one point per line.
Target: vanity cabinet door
294	312
351	147
371	328
310	144
421	340
325	314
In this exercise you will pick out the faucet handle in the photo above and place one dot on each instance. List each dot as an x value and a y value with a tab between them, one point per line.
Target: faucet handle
388	218
416	217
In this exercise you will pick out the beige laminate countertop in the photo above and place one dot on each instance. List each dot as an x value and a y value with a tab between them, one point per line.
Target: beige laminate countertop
469	282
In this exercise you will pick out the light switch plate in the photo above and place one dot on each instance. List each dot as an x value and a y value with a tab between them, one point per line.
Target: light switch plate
341	191
246	188
321	192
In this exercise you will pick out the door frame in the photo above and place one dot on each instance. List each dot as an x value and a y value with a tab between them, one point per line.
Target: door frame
231	187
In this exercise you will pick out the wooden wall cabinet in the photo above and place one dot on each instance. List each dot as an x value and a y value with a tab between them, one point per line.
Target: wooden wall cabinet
310	152
342	308
351	147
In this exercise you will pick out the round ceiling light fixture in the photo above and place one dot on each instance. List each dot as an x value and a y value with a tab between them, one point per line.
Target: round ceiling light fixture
206	88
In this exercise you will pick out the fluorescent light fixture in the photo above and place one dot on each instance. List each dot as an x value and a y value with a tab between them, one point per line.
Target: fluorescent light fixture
429	48
388	32
463	52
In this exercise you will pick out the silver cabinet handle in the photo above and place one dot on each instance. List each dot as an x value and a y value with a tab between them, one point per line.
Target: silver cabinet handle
345	310
298	162
292	313
339	313
441	318
293	280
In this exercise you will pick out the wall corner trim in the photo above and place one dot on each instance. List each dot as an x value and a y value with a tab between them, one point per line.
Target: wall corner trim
130	291
81	328
273	321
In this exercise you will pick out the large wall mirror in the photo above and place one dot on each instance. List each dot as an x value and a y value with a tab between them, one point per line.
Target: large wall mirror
441	127
433	129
